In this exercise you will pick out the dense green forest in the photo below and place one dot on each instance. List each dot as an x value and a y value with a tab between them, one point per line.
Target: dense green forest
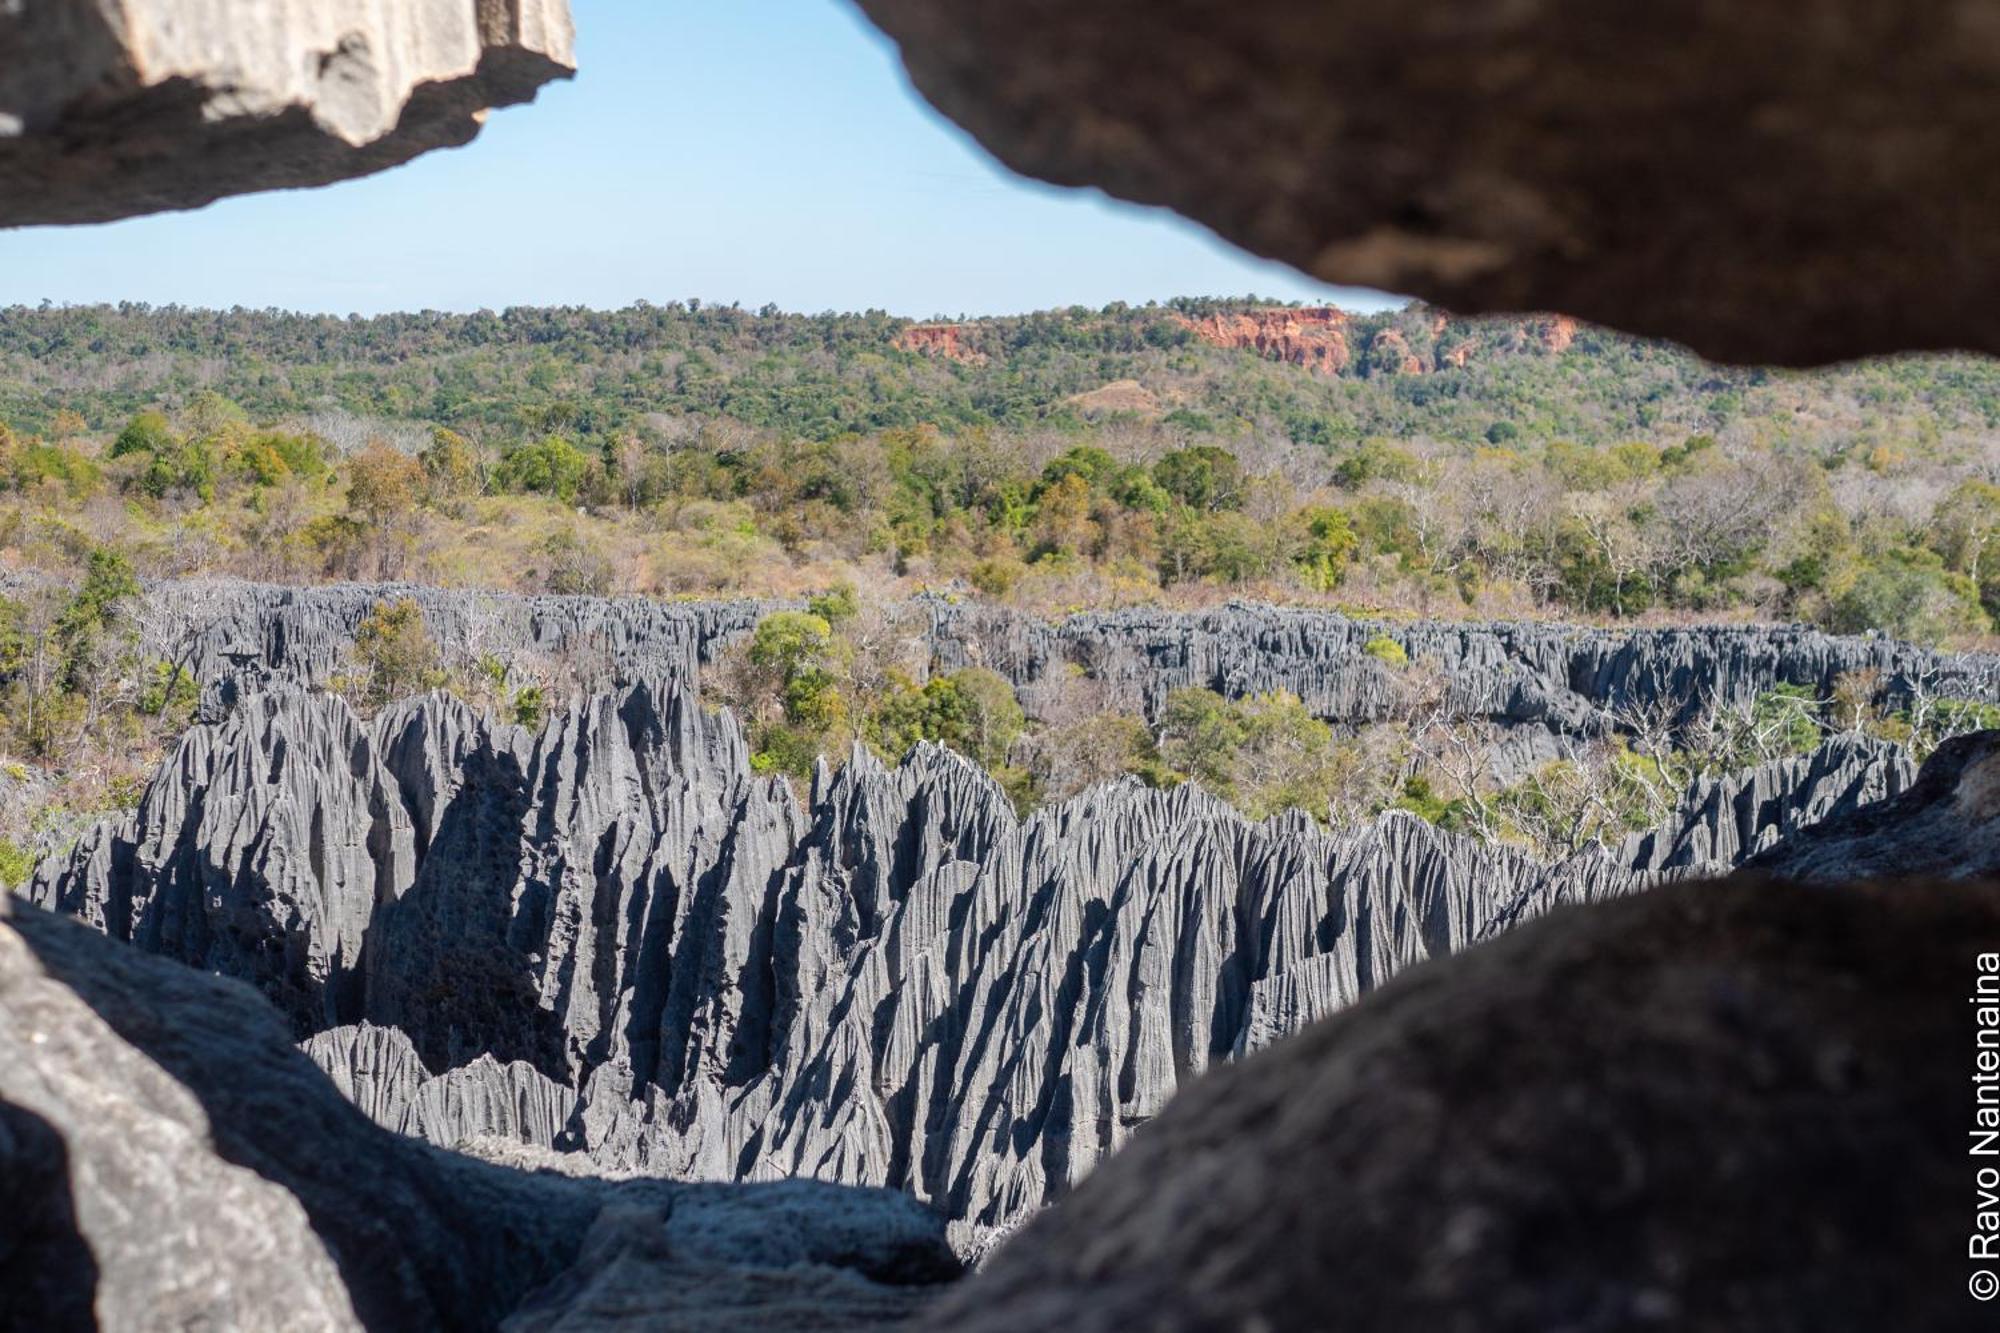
1061	459
820	377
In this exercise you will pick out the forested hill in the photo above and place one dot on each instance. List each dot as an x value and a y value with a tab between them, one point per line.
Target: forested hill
1202	369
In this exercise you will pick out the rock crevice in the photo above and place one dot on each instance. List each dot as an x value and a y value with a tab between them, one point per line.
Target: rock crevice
612	938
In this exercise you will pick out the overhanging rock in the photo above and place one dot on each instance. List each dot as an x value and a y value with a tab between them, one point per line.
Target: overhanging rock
1765	182
109	110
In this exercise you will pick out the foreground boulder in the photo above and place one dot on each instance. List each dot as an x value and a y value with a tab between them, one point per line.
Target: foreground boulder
169	1160
1754	180
107	110
1722	1106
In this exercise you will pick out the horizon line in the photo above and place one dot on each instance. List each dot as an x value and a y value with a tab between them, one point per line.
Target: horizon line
1391	304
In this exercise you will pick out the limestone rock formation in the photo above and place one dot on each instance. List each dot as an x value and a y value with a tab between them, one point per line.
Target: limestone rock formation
1947	825
1524	158
1730	819
171	1162
177	1234
482	1101
1754	1118
613	938
1564	678
107	110
239	638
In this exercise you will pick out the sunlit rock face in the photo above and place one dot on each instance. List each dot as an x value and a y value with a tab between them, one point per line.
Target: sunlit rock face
1320	339
611	938
108	110
1761	185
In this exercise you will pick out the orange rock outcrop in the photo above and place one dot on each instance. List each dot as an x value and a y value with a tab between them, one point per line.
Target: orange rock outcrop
1322	339
1556	332
945	340
1313	336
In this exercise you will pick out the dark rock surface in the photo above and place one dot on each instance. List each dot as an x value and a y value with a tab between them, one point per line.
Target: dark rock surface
1567	678
239	638
1753	1118
172	1161
613	938
1946	826
1730	819
1754	181
111	110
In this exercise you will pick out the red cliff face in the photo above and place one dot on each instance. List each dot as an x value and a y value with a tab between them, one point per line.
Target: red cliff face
1314	337
1323	339
945	340
1555	332
1391	352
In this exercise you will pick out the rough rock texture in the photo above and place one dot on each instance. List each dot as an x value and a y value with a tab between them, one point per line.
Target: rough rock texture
1566	678
170	1161
1754	181
612	937
107	110
1947	825
1315	337
378	1070
135	1216
949	341
239	638
1323	340
1727	820
1754	1119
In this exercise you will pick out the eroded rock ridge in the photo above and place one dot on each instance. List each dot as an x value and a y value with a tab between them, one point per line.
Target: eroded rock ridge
612	938
238	638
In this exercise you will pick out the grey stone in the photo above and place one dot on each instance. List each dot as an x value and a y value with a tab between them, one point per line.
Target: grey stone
1731	1106
107	110
237	639
1535	678
613	939
1947	825
172	1161
1569	679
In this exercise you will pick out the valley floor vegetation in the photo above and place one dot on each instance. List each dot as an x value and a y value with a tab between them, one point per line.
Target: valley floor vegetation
1065	460
1054	462
87	717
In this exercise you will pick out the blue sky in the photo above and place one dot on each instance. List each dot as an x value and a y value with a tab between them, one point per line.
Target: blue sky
741	150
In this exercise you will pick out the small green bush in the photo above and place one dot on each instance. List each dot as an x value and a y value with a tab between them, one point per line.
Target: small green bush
17	864
1386	651
395	652
529	706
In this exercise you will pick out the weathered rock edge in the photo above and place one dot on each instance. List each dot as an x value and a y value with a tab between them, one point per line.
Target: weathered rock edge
171	1161
1753	180
238	638
612	937
110	110
1730	1106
